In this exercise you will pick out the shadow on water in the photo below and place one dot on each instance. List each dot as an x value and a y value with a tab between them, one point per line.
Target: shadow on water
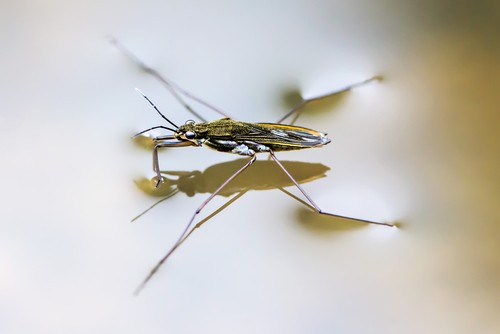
262	175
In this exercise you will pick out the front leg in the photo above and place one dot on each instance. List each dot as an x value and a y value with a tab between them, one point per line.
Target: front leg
156	160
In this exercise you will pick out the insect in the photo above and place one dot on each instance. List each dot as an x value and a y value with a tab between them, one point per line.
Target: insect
232	136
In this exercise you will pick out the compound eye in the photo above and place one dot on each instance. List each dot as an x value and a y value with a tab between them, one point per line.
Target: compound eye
190	135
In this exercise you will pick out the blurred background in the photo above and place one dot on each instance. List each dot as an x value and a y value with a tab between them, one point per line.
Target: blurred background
420	148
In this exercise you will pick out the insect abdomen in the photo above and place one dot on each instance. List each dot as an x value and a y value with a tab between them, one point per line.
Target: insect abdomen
289	137
244	138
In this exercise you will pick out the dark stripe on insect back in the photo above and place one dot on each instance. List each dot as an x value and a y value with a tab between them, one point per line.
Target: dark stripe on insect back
277	135
286	128
282	145
291	140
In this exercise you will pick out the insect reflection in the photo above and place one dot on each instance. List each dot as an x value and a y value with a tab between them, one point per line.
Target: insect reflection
264	175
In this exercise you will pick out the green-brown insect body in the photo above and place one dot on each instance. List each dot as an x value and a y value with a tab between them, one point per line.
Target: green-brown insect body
228	135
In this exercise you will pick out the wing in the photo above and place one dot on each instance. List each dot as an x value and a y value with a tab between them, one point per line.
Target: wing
279	137
227	134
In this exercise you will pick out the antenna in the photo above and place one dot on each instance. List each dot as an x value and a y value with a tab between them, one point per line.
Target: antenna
159	112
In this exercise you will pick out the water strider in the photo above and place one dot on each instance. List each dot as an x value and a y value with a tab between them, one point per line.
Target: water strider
236	137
